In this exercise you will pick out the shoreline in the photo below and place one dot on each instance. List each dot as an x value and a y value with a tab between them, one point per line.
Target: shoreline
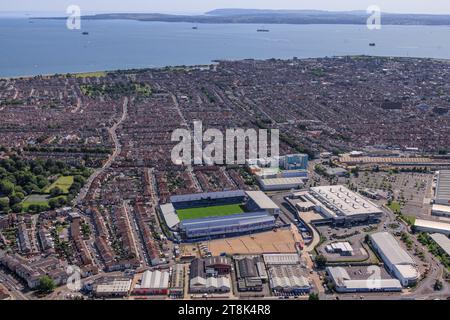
213	62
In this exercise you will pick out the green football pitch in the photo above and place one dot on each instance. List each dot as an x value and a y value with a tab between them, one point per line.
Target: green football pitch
214	211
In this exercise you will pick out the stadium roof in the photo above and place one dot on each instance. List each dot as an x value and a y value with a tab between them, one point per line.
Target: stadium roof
262	200
435	226
343	201
227	221
170	215
207	195
443	241
391	249
443	185
282	181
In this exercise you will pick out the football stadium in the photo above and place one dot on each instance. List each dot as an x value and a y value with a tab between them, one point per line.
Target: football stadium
219	214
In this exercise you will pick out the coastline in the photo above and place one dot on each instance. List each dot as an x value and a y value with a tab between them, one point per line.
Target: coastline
213	62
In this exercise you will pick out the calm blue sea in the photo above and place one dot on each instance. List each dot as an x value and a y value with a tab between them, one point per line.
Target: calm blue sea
47	46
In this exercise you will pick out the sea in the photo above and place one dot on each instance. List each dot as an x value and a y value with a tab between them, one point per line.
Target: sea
33	47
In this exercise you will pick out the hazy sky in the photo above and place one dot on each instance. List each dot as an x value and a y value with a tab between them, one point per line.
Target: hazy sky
199	6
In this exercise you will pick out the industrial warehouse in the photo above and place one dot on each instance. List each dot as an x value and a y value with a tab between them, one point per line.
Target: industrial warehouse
345	284
441	202
280	173
337	204
395	258
219	214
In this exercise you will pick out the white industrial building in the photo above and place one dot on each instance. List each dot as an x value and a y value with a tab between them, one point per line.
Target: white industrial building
345	284
341	204
343	248
397	261
442	193
288	279
209	285
280	173
440	210
112	287
432	226
442	241
153	282
281	258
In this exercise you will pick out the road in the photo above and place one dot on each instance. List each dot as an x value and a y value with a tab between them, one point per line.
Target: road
117	148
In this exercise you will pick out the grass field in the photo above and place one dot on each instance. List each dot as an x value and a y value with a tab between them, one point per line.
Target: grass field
215	211
37	199
90	74
63	183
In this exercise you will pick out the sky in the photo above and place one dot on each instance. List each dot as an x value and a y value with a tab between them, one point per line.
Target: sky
200	6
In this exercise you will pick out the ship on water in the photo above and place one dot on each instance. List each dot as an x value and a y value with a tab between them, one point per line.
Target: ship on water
85	33
262	30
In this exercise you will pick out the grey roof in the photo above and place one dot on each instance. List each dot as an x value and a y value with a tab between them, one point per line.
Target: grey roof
443	241
170	215
227	221
262	200
395	254
443	185
207	195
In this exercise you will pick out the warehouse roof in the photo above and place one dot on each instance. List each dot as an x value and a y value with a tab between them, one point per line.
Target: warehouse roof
154	280
342	279
262	200
391	249
433	225
281	258
113	286
443	241
287	276
443	185
344	201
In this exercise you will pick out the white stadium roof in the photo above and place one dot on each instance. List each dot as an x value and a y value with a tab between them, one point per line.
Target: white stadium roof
170	215
262	200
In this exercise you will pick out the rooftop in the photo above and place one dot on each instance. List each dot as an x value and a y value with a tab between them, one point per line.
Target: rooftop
436	225
443	185
262	200
343	201
443	241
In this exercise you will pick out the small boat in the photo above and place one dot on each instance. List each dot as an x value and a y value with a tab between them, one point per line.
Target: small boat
85	33
372	44
194	28
262	30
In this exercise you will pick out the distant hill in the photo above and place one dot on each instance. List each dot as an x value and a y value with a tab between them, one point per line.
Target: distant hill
260	16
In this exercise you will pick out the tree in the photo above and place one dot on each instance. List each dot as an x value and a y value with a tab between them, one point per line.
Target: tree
313	296
46	284
320	261
6	187
4	205
56	191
